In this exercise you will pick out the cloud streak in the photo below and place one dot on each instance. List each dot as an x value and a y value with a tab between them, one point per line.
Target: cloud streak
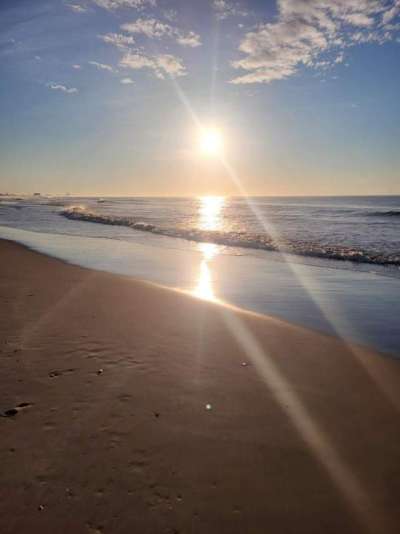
101	66
160	64
77	8
311	33
116	4
391	13
156	29
62	88
118	39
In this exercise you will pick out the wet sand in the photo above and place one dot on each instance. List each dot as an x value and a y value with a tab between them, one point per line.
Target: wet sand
128	408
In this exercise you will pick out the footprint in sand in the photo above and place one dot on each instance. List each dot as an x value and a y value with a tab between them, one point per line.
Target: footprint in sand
59	372
12	412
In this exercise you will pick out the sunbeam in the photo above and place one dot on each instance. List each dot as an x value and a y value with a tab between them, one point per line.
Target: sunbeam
301	277
340	473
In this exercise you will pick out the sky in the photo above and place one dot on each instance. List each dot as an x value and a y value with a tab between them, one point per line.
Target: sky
107	97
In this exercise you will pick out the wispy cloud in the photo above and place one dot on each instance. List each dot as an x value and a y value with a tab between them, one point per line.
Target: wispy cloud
311	33
391	13
76	66
118	39
155	28
62	88
191	39
339	58
170	14
115	4
77	8
160	64
127	81
101	66
228	8
359	19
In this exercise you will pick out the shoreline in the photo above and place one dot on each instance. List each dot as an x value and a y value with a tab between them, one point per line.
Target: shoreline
230	307
152	411
357	306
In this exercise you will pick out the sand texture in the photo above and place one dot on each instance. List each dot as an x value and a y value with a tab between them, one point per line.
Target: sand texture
128	408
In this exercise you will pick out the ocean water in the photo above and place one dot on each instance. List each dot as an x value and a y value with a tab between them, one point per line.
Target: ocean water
330	263
363	230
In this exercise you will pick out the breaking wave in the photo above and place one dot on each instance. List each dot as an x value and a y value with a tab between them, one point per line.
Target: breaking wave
239	239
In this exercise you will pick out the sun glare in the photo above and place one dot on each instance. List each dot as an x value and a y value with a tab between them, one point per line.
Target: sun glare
210	212
210	142
204	289
210	219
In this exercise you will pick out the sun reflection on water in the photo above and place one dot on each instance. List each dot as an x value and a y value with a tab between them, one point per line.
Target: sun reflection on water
210	219
210	213
204	288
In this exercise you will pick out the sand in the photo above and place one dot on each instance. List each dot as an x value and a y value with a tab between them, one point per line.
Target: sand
137	409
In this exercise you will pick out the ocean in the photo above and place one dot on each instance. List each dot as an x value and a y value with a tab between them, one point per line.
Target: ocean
329	263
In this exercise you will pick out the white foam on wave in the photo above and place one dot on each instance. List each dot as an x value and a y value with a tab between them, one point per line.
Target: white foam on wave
240	239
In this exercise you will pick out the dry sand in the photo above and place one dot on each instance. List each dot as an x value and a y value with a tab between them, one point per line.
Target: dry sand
116	437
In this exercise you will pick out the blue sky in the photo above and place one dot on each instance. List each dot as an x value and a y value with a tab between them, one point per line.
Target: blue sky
106	96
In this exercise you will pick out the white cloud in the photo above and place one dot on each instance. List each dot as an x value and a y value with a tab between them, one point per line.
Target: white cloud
311	33
127	81
391	13
76	67
227	8
191	39
339	58
371	37
118	39
170	64
77	8
63	88
156	29
359	19
101	66
136	61
115	4
149	27
160	64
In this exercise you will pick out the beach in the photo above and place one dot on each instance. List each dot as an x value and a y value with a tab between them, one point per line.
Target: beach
128	407
357	300
200	267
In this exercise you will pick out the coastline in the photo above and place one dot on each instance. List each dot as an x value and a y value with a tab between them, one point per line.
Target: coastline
142	417
360	307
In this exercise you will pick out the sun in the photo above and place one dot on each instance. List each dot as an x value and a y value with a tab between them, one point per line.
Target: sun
210	142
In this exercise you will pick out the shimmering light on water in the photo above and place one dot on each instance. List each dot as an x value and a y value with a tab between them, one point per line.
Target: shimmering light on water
204	288
210	219
210	213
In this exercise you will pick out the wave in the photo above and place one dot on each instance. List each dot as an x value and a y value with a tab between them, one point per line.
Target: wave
390	213
239	239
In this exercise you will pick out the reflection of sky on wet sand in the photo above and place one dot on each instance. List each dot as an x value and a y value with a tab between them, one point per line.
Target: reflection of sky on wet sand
366	308
210	218
204	288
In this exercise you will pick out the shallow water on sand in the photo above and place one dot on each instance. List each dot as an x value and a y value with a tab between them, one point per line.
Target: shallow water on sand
357	306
